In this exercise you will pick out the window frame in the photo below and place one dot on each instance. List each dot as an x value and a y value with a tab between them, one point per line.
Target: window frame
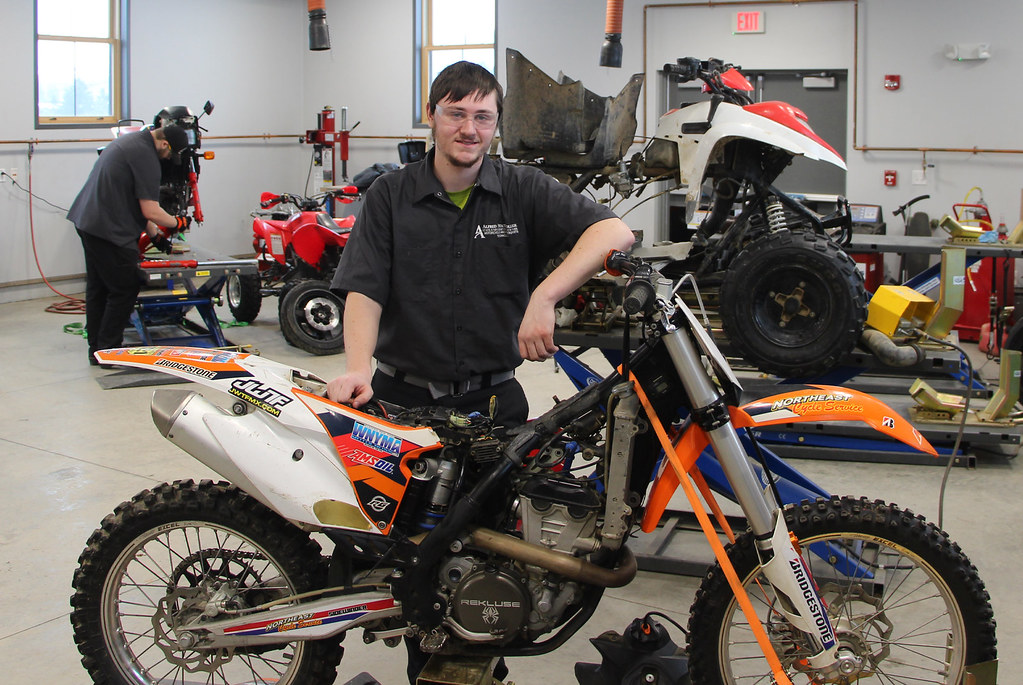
117	40
424	48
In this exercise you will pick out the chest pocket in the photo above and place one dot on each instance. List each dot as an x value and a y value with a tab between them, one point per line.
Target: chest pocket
500	263
421	262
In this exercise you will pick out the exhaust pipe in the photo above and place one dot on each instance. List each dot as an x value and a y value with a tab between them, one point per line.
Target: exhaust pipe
557	562
888	351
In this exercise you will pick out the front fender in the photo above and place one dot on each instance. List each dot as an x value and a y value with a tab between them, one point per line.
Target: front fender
830	403
818	403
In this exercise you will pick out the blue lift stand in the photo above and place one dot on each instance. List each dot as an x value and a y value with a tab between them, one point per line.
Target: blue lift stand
174	288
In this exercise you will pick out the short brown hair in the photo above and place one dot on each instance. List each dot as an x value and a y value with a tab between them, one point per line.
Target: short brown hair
460	80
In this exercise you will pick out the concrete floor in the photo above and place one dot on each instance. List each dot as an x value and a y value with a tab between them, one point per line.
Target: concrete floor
70	451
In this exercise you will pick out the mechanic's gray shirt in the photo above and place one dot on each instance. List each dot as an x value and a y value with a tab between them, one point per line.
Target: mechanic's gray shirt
128	170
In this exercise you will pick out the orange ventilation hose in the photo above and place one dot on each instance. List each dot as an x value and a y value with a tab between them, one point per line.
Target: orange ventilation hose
613	23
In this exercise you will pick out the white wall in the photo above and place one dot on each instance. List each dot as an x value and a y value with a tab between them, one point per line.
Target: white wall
942	104
247	56
250	58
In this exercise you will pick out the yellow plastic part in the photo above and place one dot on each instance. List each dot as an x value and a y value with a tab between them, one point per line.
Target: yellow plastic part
929	398
953	297
957	230
894	304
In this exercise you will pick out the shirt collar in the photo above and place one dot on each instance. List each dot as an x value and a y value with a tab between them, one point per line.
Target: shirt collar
427	183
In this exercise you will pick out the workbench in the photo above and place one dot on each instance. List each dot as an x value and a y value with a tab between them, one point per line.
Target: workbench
178	284
909	244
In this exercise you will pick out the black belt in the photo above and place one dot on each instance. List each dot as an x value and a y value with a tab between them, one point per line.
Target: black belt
440	389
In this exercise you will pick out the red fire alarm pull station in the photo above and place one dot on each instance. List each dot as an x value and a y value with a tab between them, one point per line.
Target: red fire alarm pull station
890	177
892	81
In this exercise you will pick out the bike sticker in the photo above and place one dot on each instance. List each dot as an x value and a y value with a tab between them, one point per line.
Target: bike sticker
259	395
308	620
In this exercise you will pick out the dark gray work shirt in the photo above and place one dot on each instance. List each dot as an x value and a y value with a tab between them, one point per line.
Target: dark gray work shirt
128	170
453	283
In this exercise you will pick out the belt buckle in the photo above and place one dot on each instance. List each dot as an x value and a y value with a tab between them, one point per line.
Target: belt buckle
439	390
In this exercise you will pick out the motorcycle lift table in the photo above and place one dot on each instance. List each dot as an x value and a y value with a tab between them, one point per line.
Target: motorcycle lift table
177	285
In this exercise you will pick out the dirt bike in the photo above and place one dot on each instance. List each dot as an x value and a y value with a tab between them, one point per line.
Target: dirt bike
790	300
179	177
298	246
477	540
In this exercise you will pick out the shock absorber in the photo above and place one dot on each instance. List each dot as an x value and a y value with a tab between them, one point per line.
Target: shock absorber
776	219
439	497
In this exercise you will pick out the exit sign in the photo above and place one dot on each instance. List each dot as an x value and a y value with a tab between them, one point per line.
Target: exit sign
749	22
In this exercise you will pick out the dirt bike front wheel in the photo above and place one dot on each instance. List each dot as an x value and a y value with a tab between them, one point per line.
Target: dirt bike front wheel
160	559
243	298
906	604
312	317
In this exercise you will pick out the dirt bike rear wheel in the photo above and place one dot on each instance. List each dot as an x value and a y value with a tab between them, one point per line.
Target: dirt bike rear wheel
243	298
312	317
911	606
158	558
793	303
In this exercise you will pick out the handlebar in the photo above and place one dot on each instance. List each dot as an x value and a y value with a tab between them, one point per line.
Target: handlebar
640	295
714	74
344	193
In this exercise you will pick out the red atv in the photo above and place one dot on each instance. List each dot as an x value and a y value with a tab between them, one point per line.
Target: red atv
298	245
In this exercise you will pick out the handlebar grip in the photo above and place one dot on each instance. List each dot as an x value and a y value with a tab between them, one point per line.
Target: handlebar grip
639	295
686	68
617	263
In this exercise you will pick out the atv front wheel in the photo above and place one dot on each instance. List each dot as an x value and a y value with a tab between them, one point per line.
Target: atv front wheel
243	297
312	318
793	303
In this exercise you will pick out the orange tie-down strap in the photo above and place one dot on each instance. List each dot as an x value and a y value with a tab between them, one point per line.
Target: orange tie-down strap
685	474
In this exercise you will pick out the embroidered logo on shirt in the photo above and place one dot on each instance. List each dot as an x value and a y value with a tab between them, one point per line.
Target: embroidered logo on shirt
495	230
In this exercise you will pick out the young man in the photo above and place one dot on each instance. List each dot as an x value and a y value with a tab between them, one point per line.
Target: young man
441	266
119	200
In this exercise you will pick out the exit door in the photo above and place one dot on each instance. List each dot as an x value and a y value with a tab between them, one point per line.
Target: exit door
822	97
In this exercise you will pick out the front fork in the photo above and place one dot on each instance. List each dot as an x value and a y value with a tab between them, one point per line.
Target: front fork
799	599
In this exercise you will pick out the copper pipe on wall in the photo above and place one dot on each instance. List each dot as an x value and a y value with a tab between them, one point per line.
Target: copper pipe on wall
299	136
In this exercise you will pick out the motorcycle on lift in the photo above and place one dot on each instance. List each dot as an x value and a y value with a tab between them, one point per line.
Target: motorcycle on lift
298	246
477	540
179	177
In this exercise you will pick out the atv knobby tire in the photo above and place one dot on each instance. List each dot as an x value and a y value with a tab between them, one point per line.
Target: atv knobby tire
312	317
793	303
243	297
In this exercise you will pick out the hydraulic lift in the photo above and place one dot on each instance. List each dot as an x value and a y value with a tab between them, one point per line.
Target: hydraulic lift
177	286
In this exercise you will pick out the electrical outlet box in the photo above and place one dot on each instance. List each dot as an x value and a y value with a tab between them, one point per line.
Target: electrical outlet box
919	177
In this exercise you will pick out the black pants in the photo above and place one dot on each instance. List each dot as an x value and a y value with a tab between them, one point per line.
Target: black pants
512	406
112	285
512	410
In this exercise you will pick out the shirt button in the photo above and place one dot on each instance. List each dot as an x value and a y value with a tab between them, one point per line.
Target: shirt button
458	328
458	291
458	253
